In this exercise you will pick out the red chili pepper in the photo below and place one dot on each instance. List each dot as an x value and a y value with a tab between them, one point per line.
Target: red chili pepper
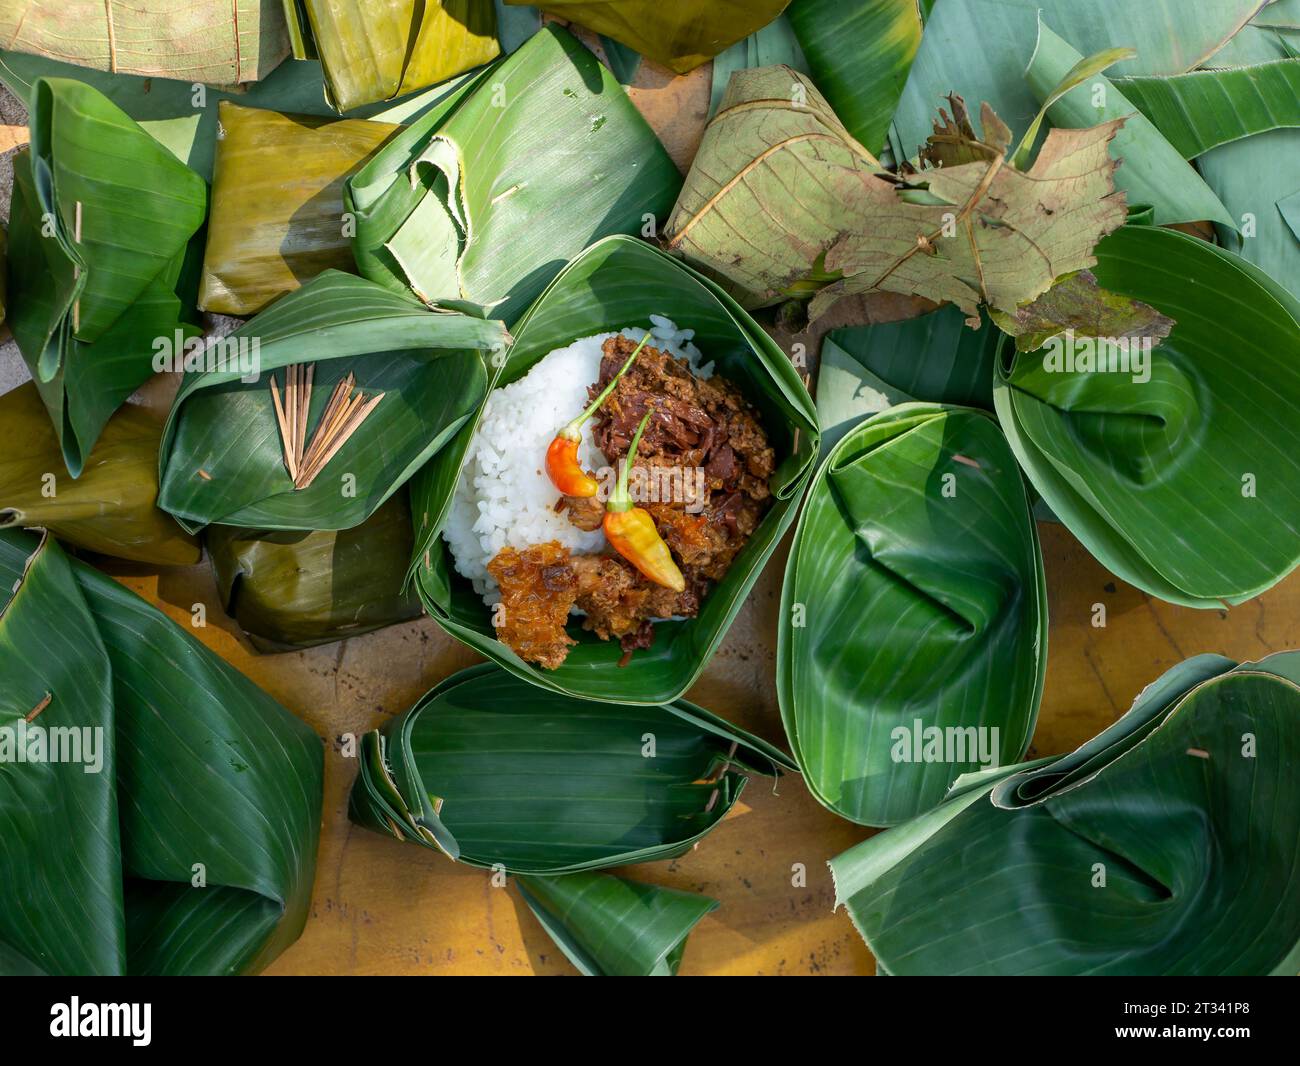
632	533
562	465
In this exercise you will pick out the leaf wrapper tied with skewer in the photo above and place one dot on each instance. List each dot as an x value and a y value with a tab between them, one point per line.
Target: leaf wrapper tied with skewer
222	457
91	300
438	203
112	508
914	600
277	203
196	765
294	589
1177	831
617	281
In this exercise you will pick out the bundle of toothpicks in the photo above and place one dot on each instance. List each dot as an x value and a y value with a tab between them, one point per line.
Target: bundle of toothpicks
343	414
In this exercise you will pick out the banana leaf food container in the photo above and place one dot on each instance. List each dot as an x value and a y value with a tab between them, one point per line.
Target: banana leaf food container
619	283
426	373
479	203
496	773
171	825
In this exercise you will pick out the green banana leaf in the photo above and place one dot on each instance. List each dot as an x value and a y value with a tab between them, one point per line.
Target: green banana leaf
277	204
678	34
498	773
185	122
1180	474
609	926
547	129
1274	33
914	607
223	44
1203	109
221	459
101	219
112	507
1258	180
935	358
290	590
4	271
617	282
375	50
180	836
859	53
774	45
1168	844
979	48
515	25
1152	170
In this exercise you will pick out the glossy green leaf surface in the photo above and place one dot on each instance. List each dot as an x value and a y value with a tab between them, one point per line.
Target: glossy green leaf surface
182	771
1176	467
609	926
547	127
1180	818
1152	170
222	459
1202	109
494	771
618	282
101	220
980	48
913	608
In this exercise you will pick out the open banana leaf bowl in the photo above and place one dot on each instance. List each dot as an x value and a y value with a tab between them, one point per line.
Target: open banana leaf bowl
620	282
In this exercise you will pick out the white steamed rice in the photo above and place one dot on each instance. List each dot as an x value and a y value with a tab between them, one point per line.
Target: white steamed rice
504	497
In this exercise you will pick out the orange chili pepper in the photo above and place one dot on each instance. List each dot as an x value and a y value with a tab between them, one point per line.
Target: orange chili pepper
562	465
632	533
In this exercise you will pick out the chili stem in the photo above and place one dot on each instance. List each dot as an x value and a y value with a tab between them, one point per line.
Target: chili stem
571	430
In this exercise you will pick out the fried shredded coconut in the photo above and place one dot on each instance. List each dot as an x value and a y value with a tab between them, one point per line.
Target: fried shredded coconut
704	464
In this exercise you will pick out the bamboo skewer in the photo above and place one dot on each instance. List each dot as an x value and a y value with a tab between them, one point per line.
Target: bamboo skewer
343	414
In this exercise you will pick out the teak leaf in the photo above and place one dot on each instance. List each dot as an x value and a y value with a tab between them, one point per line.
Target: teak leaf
1079	305
968	229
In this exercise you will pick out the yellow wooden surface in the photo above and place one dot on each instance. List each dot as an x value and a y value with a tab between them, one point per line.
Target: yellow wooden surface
381	907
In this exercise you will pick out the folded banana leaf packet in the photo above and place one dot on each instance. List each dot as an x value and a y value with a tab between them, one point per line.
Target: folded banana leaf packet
678	34
100	224
546	129
277	203
497	773
1115	859
160	812
914	607
622	282
112	507
375	50
295	589
419	376
220	44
